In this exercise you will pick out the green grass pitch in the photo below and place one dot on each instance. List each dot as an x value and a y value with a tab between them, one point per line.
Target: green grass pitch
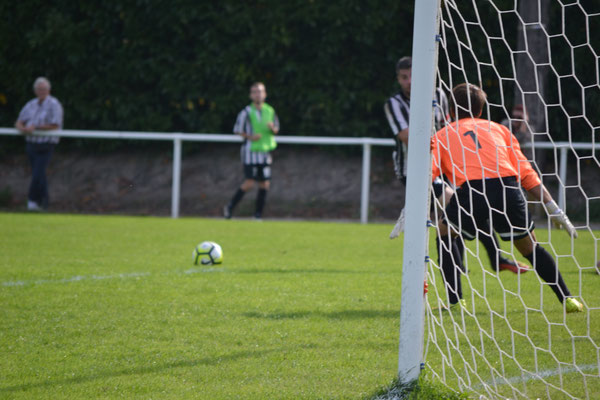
112	307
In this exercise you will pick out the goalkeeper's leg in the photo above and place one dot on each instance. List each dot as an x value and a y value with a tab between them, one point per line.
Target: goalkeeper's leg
546	268
450	261
497	261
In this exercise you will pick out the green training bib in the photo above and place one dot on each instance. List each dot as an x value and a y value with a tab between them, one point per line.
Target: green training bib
266	142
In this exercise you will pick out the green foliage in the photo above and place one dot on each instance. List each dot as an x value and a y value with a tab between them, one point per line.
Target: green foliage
186	66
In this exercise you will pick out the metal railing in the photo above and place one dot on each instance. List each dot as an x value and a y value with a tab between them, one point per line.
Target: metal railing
365	142
178	138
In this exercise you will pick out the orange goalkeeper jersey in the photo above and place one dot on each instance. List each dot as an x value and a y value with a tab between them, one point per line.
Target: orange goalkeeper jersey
473	149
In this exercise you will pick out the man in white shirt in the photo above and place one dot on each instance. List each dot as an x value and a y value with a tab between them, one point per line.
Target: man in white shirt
43	113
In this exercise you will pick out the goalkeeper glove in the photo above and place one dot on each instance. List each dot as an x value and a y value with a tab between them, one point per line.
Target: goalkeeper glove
399	227
560	219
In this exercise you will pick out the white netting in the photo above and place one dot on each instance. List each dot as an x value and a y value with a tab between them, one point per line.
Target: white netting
513	339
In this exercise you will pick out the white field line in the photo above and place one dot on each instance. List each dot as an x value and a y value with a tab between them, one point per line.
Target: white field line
79	278
528	376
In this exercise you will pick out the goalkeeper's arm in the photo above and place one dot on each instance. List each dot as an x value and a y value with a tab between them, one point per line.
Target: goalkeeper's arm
557	215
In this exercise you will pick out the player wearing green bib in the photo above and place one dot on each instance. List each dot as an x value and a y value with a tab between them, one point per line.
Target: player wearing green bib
258	124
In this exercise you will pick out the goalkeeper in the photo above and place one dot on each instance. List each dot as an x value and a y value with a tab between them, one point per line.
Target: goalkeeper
484	160
397	111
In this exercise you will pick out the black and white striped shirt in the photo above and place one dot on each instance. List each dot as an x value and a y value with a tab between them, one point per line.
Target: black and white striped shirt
244	125
49	112
397	111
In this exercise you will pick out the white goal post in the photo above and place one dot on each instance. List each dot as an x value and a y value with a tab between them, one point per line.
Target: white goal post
539	63
418	182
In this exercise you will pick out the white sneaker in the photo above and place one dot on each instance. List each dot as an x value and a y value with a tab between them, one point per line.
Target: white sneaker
399	227
33	206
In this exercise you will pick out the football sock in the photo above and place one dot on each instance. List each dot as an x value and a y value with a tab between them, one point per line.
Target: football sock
236	198
460	252
546	268
492	247
450	262
260	202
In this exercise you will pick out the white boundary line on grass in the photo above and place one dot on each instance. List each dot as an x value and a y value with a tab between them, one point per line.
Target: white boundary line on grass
547	373
79	278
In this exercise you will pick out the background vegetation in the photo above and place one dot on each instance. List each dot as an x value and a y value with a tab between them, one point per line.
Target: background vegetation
181	65
186	66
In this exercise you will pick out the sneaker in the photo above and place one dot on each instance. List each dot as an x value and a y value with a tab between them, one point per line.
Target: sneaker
33	206
573	306
512	266
227	212
462	303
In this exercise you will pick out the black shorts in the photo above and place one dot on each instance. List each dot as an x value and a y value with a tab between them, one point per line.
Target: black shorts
258	173
498	202
438	187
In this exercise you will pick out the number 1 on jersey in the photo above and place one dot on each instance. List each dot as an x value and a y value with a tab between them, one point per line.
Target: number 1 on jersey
472	135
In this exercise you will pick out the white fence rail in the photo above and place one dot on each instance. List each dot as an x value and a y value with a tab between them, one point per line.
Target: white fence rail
365	142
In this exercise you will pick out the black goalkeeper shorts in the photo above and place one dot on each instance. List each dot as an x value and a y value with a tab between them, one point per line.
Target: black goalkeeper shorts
498	201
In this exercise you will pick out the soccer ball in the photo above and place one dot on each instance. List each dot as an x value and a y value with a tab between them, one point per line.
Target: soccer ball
208	253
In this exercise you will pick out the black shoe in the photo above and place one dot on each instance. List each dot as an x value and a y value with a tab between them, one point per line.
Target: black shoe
227	212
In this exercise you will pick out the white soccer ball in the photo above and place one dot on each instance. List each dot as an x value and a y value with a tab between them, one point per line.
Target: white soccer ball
208	253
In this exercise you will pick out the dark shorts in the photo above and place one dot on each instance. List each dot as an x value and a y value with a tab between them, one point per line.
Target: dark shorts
258	173
497	202
438	187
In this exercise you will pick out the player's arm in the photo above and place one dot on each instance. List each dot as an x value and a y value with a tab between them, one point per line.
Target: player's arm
527	175
532	183
274	126
241	127
435	158
397	122
403	136
558	216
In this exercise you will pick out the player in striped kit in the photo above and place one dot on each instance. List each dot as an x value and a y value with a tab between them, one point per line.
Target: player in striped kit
397	110
258	124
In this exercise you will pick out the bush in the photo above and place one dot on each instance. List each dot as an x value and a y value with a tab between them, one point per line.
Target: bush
186	66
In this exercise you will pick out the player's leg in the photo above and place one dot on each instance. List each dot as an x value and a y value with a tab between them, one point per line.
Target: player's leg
443	193
450	257
264	184
498	262
248	183
545	266
450	262
512	222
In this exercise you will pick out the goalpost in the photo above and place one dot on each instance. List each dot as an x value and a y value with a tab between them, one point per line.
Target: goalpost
539	63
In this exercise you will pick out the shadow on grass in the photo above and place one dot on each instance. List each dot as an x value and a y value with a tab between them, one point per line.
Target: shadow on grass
137	370
339	315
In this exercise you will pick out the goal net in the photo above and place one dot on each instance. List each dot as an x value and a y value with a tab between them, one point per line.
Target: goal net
539	63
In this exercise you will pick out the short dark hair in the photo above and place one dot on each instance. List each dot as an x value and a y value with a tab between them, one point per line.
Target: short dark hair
467	101
404	63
